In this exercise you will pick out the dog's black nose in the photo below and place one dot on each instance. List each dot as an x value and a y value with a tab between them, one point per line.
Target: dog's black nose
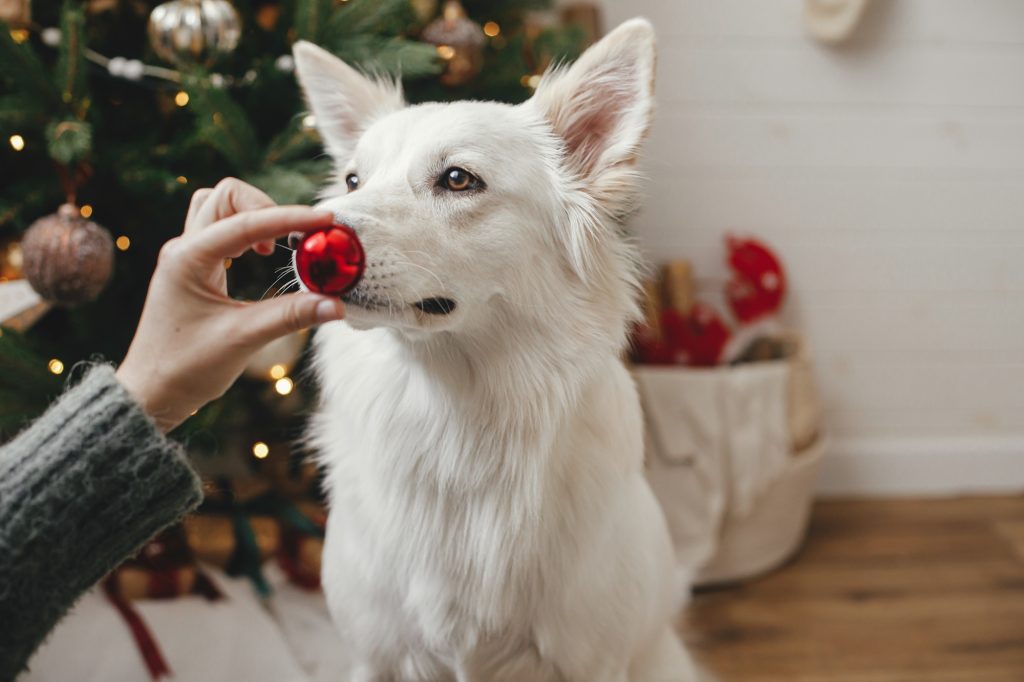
294	238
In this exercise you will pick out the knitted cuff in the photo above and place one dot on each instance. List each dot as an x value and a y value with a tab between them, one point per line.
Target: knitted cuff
80	490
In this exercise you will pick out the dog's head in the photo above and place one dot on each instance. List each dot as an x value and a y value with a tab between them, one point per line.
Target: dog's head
470	210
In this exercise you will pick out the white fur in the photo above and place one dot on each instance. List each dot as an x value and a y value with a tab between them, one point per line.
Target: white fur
489	518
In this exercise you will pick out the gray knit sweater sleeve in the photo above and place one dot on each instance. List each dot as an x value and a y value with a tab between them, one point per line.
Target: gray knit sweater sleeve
80	490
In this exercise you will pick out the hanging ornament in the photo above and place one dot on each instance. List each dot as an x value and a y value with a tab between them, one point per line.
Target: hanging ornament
423	9
758	284
17	13
66	258
190	32
460	42
330	261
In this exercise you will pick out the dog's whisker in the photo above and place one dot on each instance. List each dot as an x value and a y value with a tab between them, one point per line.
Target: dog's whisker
426	270
291	285
273	284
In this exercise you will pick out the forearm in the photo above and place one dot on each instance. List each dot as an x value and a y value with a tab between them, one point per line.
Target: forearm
80	490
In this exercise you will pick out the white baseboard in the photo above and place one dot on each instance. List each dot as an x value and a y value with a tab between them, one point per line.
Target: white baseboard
895	467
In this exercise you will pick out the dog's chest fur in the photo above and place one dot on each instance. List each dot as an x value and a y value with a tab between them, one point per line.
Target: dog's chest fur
455	513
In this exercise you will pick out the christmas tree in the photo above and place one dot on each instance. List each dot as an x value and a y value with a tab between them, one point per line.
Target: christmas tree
118	110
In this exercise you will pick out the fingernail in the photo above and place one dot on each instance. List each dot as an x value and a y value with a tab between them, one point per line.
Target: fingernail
329	309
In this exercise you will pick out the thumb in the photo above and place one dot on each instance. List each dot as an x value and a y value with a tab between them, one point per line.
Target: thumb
267	320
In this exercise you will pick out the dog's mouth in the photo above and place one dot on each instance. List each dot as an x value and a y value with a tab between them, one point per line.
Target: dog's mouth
435	305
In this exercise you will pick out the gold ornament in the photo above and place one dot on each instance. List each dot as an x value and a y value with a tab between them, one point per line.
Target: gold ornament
17	13
187	32
460	42
66	258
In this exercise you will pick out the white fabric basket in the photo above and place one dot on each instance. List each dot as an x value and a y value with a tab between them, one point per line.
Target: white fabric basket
732	453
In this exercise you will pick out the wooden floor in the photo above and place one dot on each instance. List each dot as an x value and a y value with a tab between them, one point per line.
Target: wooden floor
884	591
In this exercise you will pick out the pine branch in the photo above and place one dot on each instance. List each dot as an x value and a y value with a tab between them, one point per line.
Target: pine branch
20	66
293	184
311	16
223	124
294	141
19	111
396	56
361	17
71	67
26	385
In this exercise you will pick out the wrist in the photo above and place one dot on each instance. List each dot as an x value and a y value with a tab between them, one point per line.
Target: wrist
151	395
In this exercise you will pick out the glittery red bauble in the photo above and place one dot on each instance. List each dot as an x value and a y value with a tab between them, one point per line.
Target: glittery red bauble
758	284
330	260
697	339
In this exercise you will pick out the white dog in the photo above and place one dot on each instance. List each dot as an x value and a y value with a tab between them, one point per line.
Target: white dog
489	517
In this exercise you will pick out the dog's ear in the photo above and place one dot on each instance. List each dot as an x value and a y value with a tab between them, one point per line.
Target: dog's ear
601	108
343	100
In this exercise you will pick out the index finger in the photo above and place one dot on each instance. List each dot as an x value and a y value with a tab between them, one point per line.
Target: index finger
231	237
229	197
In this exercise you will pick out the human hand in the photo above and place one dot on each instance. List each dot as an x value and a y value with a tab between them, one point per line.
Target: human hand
193	340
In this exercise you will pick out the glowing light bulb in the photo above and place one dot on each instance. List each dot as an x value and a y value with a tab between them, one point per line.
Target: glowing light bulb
86	211
17	142
181	99
123	242
278	371
284	385
445	51
491	29
55	366
260	450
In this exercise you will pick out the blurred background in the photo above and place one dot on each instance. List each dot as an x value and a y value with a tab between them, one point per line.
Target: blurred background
886	169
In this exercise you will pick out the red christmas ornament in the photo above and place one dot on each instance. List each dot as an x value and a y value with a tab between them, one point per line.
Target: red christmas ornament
759	282
696	339
330	260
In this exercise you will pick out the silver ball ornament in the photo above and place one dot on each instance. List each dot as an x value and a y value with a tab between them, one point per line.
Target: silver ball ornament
187	32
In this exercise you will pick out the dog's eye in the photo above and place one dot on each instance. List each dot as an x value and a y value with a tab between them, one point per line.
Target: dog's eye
352	182
459	180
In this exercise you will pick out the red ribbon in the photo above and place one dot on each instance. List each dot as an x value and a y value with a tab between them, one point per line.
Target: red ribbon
151	654
288	559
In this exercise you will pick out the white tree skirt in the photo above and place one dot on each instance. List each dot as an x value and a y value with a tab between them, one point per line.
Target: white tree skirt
236	638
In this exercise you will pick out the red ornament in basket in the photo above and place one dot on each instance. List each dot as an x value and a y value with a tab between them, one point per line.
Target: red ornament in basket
758	284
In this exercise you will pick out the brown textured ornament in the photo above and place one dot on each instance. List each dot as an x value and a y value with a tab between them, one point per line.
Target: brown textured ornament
66	258
17	13
460	42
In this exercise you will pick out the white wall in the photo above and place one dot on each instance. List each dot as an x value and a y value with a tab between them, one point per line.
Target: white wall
889	174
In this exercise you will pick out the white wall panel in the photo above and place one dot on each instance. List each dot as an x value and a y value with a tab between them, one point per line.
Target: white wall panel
889	174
